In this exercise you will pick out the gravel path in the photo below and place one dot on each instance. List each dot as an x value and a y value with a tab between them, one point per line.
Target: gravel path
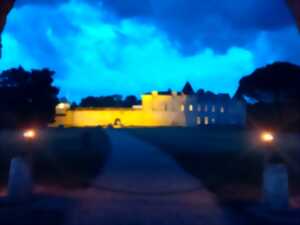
141	185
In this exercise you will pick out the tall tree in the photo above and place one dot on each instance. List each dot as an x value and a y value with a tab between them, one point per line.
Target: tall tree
109	101
278	82
27	98
295	7
5	7
130	101
276	85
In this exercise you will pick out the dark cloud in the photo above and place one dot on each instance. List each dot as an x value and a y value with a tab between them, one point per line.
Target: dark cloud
194	24
35	2
224	40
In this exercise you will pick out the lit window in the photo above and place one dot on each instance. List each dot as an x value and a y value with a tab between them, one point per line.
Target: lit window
191	108
182	108
213	120
198	120
222	109
206	120
213	108
206	108
199	108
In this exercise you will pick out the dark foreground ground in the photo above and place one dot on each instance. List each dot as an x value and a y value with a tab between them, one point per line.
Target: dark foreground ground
228	161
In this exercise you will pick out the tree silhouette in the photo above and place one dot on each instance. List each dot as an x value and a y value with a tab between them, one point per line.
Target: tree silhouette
275	83
295	7
27	98
130	101
274	89
5	7
109	101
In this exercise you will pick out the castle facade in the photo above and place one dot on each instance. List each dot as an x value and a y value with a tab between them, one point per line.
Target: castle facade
159	109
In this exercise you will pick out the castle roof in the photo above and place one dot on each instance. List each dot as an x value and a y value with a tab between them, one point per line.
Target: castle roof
188	89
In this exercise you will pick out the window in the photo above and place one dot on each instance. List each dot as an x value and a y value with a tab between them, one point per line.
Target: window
166	107
182	108
213	120
206	108
199	108
222	109
206	120
198	120
213	108
191	108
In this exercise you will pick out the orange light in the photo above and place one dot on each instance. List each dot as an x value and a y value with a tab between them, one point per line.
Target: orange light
29	134
267	137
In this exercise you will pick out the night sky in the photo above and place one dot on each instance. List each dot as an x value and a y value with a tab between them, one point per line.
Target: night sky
134	46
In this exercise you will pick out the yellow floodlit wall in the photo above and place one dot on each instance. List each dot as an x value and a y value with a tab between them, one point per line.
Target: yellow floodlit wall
170	109
156	110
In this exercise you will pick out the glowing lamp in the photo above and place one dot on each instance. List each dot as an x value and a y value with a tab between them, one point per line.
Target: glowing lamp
267	137
61	106
29	134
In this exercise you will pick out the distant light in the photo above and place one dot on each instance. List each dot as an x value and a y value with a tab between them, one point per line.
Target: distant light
154	92
29	134
267	137
61	106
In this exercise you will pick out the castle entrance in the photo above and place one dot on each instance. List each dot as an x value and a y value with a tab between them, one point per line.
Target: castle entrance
118	122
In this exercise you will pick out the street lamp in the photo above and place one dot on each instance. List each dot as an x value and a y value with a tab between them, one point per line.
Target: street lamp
20	180
275	175
29	134
267	137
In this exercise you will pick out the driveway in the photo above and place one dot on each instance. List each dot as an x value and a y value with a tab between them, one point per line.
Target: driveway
141	185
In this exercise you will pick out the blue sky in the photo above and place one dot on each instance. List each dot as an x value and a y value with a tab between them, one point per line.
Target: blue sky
102	47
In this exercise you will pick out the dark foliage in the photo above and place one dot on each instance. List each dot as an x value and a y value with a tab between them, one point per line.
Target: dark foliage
5	8
27	98
274	95
210	96
109	101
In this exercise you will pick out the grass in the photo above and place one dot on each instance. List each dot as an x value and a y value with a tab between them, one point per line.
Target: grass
65	157
229	162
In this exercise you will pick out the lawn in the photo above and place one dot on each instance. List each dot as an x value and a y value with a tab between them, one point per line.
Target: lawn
66	157
228	161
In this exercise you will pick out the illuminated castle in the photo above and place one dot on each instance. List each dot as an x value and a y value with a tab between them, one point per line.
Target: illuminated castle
159	109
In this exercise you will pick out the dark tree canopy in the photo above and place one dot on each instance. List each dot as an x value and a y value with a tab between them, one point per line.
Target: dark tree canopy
27	97
278	82
109	101
5	7
274	94
295	7
130	101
